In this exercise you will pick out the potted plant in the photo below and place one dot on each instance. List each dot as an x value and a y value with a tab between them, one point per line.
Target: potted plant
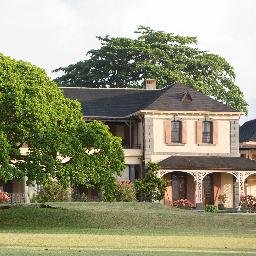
222	199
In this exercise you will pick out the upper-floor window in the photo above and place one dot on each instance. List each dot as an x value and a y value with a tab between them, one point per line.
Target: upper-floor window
176	132
207	132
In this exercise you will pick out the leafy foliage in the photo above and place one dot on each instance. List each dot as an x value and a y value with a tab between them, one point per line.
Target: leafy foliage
183	203
248	203
35	114
169	58
222	198
151	188
4	198
210	208
52	192
125	192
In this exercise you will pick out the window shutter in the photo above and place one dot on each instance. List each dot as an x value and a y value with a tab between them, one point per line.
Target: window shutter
167	131
184	132
199	132
215	132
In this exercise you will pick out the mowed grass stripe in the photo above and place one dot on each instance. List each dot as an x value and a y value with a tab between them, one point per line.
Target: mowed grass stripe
21	251
124	242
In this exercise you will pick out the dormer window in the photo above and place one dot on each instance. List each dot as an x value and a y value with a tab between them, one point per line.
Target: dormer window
176	131
207	132
186	98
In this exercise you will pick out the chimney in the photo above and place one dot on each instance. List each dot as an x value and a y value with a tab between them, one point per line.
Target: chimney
150	84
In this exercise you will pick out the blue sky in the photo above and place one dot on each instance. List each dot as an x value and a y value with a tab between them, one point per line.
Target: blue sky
53	33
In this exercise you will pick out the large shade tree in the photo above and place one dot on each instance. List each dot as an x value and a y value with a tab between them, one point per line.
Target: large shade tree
124	62
34	114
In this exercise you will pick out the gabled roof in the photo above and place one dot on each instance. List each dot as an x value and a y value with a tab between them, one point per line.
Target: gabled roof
121	102
248	131
207	163
172	100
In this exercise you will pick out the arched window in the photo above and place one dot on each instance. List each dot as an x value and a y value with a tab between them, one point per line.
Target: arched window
207	132
176	132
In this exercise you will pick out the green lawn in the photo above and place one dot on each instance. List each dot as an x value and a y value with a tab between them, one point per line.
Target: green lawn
124	229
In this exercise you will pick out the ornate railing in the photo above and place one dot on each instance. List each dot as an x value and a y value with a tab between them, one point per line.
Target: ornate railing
16	198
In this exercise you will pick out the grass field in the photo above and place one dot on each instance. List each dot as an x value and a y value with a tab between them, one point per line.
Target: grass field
124	229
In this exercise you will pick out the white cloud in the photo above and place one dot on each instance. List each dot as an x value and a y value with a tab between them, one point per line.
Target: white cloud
53	33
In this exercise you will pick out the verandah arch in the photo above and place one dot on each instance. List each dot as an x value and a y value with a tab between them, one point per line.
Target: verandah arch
181	185
199	176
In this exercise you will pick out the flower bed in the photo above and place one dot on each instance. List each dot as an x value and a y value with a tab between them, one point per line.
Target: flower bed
4	198
248	203
183	203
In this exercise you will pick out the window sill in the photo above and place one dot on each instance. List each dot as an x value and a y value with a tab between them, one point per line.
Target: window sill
206	144
176	144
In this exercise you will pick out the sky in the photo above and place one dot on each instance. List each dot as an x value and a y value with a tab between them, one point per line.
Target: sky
54	33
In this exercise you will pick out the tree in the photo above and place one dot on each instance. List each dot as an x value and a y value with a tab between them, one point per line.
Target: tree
34	113
168	58
151	188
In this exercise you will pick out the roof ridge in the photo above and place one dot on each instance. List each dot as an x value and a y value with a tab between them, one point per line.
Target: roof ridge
166	88
89	88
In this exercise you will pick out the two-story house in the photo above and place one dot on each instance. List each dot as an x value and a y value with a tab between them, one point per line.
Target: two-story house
194	138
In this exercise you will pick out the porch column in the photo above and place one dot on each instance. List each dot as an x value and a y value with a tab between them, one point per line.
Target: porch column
199	190
25	189
241	180
239	186
131	172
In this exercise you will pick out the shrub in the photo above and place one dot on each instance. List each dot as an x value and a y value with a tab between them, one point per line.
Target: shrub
4	198
222	198
211	208
52	192
151	188
248	202
183	203
125	192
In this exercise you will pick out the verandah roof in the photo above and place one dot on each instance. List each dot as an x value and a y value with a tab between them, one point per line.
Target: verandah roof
217	163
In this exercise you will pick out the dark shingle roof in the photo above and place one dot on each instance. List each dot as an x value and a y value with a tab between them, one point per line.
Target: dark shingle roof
248	131
207	163
171	99
111	102
124	102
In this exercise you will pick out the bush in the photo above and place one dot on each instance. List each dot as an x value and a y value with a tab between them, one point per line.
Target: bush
248	203
52	192
125	192
4	198
222	198
150	188
211	208
183	203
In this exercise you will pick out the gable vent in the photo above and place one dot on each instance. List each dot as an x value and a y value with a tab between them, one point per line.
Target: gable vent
186	98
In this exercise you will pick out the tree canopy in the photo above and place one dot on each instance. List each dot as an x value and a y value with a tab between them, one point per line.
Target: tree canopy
34	114
166	57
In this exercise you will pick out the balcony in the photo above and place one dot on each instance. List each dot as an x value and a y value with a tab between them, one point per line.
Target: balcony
133	155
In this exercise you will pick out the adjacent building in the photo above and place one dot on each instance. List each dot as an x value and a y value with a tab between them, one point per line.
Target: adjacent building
248	150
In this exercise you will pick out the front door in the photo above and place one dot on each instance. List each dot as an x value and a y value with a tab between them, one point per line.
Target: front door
208	189
178	186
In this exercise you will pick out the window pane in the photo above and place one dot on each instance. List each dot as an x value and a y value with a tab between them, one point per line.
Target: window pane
176	131
207	132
